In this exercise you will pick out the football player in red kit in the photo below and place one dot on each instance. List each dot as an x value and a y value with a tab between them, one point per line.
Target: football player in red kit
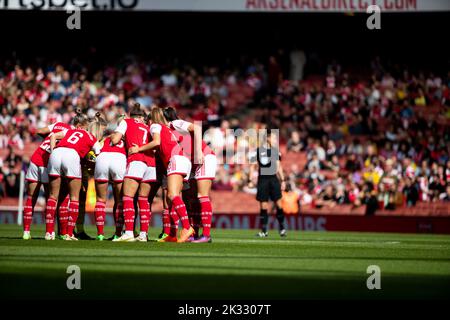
65	162
140	173
110	167
178	166
204	168
37	175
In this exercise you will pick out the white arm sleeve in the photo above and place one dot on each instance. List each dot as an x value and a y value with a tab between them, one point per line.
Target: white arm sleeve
155	128
181	126
122	127
50	127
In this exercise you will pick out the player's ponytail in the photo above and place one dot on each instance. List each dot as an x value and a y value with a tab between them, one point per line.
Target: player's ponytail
99	119
80	119
136	111
97	130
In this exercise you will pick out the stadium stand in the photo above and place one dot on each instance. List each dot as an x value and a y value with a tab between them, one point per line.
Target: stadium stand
351	144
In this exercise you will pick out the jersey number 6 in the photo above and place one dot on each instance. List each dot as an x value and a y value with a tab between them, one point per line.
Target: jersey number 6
75	137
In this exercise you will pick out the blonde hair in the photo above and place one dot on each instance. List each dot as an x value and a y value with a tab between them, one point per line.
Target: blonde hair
96	129
157	116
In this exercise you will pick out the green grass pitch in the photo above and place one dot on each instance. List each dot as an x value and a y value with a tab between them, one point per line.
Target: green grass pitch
306	265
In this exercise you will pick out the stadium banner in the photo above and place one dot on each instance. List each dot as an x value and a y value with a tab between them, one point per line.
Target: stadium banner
303	222
319	6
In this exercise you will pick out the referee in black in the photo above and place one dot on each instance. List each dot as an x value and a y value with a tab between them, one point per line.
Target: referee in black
270	172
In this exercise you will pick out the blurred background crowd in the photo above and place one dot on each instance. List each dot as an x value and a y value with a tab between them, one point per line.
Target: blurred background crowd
379	137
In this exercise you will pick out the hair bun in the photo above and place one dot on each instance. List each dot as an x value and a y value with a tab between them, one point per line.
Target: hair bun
78	111
98	115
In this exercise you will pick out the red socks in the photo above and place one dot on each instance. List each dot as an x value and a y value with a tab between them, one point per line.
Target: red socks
174	220
73	215
166	221
206	208
144	213
64	216
100	215
50	211
180	209
28	213
118	218
128	213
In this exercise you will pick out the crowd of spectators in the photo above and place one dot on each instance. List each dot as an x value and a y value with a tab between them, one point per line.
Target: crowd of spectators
381	140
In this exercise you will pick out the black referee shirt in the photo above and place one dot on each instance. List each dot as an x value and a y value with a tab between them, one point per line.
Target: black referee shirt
267	161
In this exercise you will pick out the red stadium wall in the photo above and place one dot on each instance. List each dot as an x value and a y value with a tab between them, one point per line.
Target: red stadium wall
305	222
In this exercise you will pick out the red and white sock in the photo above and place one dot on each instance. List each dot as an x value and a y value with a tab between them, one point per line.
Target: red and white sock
174	221
118	218
166	221
100	215
128	214
64	216
206	208
144	213
50	211
73	215
180	209
28	213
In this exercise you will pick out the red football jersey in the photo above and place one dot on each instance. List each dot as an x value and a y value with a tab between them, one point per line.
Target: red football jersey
136	133
42	154
109	147
169	143
78	139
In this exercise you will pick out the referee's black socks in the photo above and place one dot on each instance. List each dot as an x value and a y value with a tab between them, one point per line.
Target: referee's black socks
280	218
264	219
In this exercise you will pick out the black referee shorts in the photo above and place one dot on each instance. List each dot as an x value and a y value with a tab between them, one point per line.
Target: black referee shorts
269	188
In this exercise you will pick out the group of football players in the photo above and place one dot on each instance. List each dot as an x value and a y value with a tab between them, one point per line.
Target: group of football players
144	152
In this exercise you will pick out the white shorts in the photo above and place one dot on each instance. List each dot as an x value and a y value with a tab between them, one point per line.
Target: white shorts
138	170
179	165
64	162
110	166
207	171
37	174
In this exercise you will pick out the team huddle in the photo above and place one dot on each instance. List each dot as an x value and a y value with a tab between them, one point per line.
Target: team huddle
145	152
